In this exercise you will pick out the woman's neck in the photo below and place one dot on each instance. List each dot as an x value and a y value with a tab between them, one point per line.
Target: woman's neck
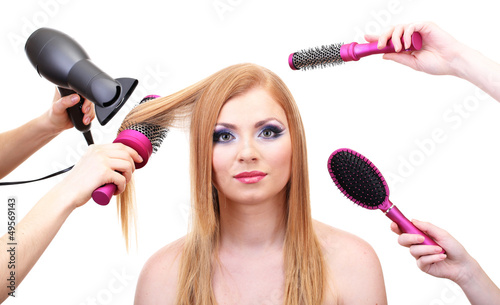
255	227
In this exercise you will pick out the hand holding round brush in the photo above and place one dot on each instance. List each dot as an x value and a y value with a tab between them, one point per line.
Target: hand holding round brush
339	53
143	138
441	54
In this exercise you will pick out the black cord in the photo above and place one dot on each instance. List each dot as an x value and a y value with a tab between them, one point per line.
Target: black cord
46	177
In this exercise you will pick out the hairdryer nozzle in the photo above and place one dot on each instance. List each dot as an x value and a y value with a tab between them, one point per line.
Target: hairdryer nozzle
123	92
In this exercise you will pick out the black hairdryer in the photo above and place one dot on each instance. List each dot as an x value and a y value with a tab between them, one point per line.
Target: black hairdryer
61	60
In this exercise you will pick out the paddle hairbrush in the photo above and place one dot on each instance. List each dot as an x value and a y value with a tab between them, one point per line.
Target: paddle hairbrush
361	182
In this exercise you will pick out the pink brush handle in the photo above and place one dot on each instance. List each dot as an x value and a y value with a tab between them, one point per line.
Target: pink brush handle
139	143
354	51
407	226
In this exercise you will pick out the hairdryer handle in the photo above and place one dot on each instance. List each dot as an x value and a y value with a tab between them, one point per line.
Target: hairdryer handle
103	194
76	115
407	226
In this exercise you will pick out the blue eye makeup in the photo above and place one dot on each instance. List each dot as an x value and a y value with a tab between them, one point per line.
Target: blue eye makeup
271	131
222	136
225	132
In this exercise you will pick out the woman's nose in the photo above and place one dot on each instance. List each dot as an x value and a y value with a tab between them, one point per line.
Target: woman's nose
248	151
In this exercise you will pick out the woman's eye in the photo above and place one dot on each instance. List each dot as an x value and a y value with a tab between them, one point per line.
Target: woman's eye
270	132
267	133
225	137
222	137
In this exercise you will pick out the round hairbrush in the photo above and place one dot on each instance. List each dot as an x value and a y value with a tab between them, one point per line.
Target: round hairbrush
361	182
338	53
145	139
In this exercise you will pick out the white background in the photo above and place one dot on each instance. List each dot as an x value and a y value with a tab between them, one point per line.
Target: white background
383	110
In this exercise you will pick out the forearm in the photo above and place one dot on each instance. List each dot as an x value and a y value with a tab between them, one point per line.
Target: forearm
33	234
479	288
19	144
481	71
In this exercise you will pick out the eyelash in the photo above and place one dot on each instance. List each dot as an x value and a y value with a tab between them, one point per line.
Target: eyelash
276	133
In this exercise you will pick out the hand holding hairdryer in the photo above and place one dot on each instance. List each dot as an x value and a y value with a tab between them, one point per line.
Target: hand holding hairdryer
61	60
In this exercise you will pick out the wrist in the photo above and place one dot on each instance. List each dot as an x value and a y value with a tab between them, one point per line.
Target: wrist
63	199
45	126
471	274
464	62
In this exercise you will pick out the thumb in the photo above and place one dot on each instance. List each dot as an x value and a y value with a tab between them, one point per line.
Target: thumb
401	58
65	102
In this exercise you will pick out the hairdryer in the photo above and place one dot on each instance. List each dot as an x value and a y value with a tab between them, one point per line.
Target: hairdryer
61	60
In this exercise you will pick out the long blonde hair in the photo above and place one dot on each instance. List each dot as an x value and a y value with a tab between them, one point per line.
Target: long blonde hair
305	272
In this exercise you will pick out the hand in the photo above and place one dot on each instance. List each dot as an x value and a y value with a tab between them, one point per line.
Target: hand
455	265
58	117
438	53
101	164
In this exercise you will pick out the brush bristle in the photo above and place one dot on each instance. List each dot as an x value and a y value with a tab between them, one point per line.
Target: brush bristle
358	178
318	57
156	134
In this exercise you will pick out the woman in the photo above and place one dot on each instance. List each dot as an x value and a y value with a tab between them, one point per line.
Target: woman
252	238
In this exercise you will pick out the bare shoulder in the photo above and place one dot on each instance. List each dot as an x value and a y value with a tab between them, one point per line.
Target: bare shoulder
157	282
354	271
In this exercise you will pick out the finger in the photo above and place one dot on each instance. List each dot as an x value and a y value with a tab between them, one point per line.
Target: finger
395	228
125	168
131	152
396	38
407	36
408	240
371	38
120	182
382	40
431	230
120	151
65	102
88	110
425	262
422	250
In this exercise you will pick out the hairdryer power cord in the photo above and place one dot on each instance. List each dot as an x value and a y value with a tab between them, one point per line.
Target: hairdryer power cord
46	177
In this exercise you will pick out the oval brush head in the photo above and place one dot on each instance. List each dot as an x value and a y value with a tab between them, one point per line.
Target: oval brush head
359	179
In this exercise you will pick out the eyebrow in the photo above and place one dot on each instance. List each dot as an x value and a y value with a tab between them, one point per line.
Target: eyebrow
257	125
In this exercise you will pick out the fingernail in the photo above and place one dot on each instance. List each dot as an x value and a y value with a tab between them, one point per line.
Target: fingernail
442	256
87	109
421	239
438	249
75	98
86	120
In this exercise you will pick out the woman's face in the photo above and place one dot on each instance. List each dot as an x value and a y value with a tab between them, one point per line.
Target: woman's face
252	148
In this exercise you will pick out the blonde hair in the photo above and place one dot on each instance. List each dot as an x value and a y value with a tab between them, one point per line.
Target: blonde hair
305	272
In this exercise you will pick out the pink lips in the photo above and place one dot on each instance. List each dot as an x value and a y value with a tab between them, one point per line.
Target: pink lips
250	177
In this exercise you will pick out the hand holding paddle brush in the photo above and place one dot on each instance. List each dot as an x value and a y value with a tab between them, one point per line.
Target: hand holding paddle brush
362	183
